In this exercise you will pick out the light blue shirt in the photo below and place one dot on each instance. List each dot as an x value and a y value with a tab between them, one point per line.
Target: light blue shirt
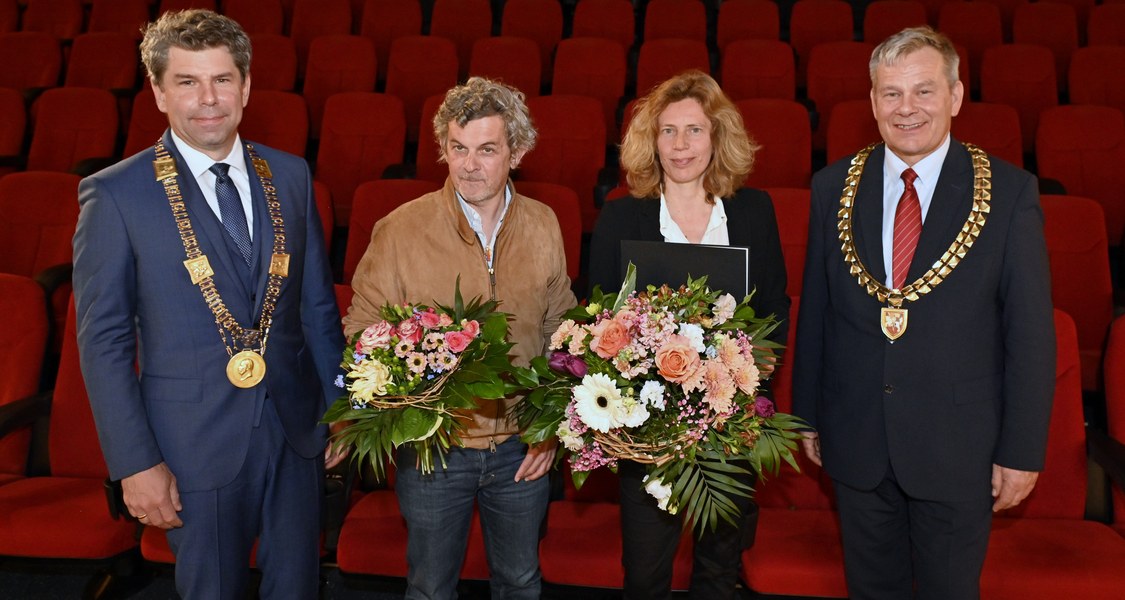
928	169
199	165
477	224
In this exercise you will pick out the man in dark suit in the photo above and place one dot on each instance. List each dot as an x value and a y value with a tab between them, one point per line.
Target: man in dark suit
200	261
925	346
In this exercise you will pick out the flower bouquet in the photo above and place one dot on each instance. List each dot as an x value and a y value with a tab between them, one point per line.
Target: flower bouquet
408	378
667	378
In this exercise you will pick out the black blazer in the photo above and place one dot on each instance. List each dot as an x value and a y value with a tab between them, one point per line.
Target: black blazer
971	381
750	222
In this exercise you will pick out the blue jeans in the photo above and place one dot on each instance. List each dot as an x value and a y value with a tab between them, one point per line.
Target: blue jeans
438	509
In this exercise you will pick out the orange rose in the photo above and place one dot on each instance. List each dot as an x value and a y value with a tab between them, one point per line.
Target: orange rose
676	361
609	338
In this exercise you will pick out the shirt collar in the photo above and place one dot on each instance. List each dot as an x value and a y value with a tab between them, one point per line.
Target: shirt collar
926	169
672	232
474	217
198	163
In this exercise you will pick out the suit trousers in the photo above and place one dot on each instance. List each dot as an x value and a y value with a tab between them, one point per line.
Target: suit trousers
898	547
275	497
650	537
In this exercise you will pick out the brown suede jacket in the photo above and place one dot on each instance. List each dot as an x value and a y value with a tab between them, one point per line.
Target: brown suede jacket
417	252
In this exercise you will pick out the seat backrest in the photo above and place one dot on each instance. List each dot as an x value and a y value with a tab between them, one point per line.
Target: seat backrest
851	127
106	60
781	128
13	122
314	18
1022	76
71	125
326	74
1094	76
384	21
538	20
677	19
427	163
463	22
277	119
256	16
62	19
609	19
564	202
747	20
275	62
593	67
373	201
1050	24
838	71
1115	404
23	335
994	127
420	67
38	214
1059	490
661	59
813	23
571	147
40	60
9	15
513	60
121	16
1081	283
323	198
791	205
363	133
974	25
73	439
1083	147
1107	25
883	18
759	69
146	122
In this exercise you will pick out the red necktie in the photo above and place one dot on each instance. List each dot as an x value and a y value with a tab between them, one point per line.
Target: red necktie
908	226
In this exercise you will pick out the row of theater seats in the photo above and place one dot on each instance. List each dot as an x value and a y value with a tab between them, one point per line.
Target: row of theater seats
58	510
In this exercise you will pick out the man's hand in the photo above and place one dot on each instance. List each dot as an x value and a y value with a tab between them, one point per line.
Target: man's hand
538	461
153	498
810	441
334	455
769	363
1011	486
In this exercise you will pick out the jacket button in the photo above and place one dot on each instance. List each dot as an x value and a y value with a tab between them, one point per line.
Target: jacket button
889	389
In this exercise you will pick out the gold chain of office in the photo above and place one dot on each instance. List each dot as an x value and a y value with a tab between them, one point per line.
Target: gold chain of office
982	200
247	367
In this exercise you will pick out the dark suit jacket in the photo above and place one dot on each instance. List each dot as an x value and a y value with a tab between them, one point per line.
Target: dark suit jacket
971	381
136	302
750	222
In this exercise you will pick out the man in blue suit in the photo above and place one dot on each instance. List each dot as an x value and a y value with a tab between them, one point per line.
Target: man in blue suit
925	353
207	325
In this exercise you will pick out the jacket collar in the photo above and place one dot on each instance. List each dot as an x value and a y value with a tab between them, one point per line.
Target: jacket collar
457	216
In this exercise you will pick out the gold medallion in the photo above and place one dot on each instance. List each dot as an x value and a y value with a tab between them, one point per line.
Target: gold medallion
893	322
164	168
246	369
279	265
199	268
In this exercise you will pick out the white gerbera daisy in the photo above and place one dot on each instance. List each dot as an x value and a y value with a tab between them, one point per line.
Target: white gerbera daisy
652	394
597	400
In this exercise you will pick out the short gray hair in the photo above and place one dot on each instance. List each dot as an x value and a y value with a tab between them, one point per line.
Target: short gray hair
911	40
193	30
478	98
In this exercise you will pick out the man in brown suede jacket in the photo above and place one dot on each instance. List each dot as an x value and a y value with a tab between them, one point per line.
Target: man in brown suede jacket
503	246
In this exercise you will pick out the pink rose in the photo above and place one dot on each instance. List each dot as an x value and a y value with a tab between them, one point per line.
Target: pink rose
471	328
430	319
610	336
457	341
375	336
676	361
409	331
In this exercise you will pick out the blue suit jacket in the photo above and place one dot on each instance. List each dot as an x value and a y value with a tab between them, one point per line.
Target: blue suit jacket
971	381
136	305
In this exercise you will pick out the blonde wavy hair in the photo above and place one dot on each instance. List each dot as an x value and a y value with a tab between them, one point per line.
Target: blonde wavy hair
732	149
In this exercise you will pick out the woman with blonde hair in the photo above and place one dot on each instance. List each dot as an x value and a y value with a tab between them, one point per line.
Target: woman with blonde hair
686	154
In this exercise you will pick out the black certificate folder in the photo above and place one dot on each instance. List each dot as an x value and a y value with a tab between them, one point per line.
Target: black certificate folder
727	267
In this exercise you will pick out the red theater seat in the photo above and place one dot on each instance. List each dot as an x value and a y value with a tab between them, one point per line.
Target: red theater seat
791	206
781	128
24	328
373	201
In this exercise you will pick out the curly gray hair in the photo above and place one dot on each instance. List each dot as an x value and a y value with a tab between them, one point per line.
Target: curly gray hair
478	98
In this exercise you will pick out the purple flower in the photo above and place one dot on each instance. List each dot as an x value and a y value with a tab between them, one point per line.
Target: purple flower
764	407
339	381
566	363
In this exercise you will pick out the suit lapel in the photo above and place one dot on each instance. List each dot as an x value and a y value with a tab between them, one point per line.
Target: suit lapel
263	235
210	234
867	215
950	206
